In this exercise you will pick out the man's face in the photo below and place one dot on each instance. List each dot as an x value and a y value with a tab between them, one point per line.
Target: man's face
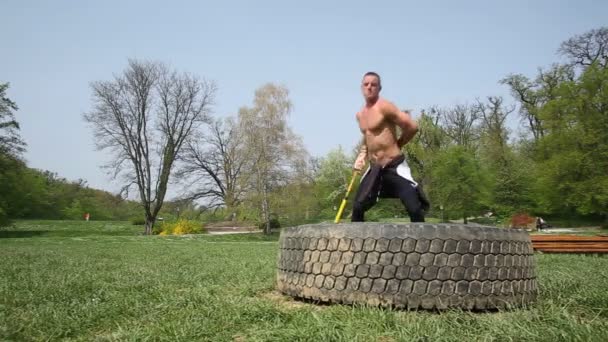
370	87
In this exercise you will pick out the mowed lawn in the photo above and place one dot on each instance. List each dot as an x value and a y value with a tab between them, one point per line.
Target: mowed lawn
103	281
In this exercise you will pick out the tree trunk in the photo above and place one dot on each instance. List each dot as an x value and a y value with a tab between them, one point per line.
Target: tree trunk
266	214
149	225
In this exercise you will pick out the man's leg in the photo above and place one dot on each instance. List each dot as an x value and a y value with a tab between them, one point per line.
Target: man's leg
359	209
367	194
399	187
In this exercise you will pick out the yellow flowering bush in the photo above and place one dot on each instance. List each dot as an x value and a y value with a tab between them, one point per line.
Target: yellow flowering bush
181	227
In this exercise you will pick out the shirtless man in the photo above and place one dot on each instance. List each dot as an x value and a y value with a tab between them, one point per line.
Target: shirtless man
388	174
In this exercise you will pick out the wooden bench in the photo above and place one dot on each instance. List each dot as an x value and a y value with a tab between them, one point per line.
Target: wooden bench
570	243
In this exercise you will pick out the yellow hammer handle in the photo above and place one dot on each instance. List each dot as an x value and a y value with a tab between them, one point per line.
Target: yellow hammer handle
343	204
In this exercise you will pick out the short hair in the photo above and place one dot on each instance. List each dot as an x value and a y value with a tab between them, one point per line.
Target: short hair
373	73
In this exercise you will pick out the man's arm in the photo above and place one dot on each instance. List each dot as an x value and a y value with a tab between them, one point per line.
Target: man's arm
402	119
361	157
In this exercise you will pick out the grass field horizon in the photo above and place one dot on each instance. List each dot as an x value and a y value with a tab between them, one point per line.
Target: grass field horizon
104	281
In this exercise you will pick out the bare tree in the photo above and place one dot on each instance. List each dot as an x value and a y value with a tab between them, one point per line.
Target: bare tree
493	125
213	163
460	125
144	116
587	48
432	136
273	150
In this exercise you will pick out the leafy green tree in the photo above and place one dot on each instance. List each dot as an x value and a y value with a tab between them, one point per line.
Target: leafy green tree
331	182
511	186
11	142
35	202
44	195
11	194
74	211
457	182
11	147
273	151
506	174
532	95
574	152
426	144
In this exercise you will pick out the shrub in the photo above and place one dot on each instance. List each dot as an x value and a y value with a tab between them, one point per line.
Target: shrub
522	220
158	229
138	221
4	220
274	223
179	227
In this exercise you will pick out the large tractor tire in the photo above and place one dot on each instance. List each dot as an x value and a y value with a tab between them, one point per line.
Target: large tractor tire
413	266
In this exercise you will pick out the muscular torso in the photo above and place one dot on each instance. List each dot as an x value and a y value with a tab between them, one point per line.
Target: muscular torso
380	134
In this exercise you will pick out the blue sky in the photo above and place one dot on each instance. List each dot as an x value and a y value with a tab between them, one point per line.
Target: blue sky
428	53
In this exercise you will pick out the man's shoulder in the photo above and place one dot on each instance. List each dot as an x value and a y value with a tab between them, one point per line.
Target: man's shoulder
384	103
385	107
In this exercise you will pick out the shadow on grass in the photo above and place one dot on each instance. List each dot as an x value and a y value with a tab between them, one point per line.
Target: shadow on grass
23	234
290	302
252	237
7	234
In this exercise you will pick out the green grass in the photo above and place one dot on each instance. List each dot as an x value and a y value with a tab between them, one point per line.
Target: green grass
100	281
49	228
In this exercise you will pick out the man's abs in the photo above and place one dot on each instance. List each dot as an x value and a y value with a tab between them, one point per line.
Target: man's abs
382	148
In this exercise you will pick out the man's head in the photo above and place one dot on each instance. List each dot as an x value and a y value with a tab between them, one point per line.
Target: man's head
371	86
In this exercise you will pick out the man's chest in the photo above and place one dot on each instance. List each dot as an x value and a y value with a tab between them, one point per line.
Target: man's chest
371	120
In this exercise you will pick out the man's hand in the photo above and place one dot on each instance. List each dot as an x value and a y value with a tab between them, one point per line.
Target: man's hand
401	141
359	163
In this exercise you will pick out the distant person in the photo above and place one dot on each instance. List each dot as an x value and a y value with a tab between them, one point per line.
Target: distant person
541	224
388	175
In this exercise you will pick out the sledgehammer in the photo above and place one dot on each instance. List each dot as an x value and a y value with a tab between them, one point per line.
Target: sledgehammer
343	204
